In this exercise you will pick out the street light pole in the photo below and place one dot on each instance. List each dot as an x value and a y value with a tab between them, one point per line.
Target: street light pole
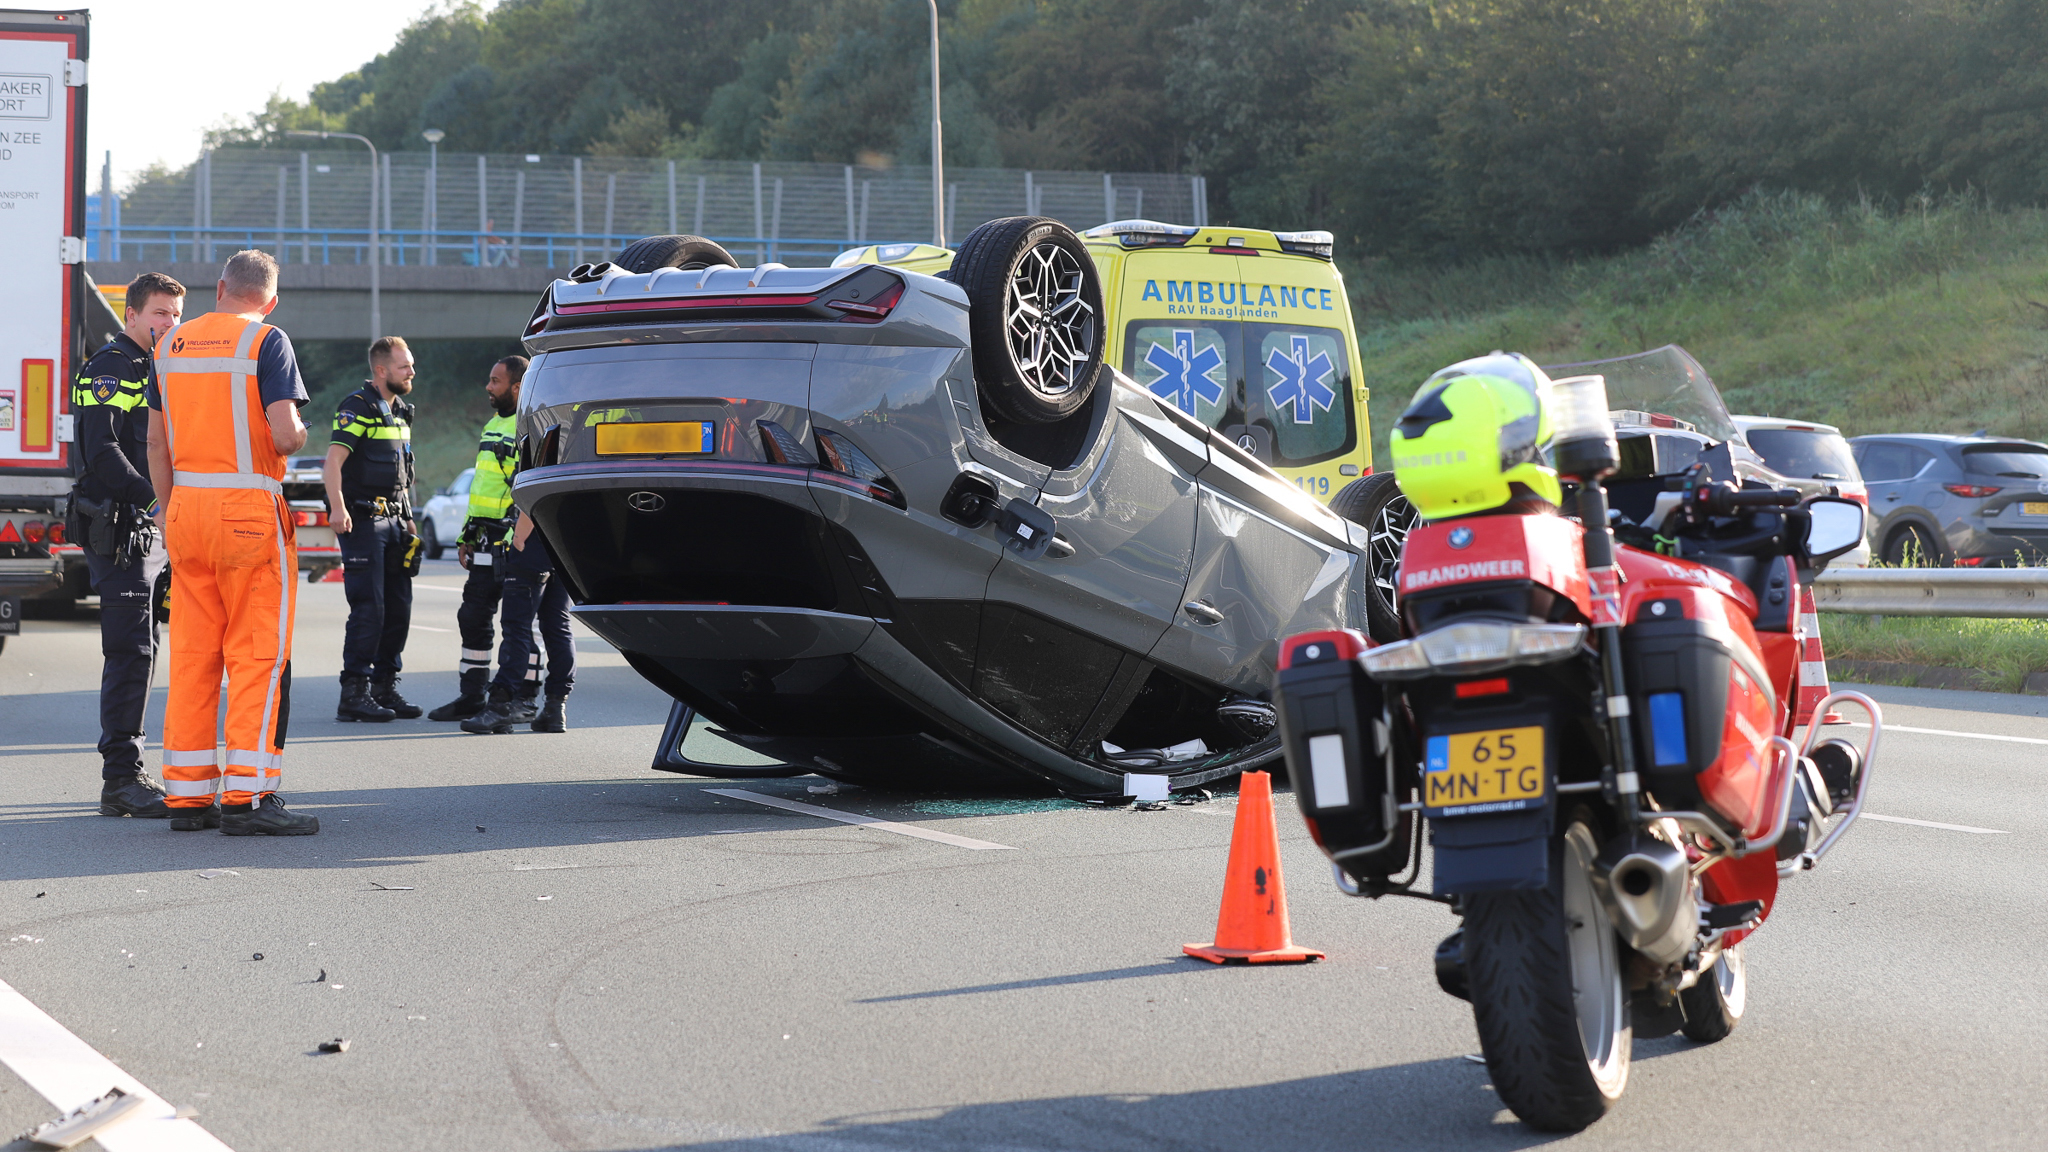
376	255
938	142
433	137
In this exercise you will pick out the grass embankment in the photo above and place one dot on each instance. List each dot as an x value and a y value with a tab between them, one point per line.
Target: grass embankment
2001	653
1931	318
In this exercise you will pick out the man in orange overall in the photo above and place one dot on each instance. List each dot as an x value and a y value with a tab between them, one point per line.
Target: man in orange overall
224	402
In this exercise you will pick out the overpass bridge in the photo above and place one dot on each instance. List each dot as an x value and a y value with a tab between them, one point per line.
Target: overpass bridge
332	301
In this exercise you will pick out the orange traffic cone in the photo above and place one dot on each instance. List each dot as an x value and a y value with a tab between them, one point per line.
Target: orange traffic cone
1252	926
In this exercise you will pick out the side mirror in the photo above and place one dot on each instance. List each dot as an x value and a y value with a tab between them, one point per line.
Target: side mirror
1834	526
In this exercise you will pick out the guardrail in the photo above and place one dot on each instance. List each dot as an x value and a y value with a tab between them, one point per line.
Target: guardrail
2011	593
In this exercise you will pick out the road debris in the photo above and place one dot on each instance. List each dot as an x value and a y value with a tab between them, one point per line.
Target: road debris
86	1121
334	1046
320	979
217	873
24	939
40	895
391	887
543	897
828	788
479	827
1475	1057
256	956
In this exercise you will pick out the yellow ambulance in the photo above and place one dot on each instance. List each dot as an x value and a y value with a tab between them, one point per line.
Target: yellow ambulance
1246	330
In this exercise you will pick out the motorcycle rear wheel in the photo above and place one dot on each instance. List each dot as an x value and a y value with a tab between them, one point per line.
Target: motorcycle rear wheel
1548	994
1713	1006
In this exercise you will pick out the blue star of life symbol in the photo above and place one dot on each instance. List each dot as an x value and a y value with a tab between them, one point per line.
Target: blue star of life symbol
1302	380
1184	372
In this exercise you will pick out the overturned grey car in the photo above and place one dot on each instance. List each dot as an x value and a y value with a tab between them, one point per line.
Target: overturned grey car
907	531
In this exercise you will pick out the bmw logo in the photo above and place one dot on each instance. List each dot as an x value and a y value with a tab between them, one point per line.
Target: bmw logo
1461	537
646	502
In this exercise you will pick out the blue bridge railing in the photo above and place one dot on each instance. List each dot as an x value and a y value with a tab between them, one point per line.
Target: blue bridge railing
561	250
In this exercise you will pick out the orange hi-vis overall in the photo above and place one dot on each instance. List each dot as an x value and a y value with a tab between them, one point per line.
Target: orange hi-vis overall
233	558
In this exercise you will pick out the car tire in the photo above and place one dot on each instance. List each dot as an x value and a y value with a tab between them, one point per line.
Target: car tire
1035	315
1912	546
430	539
1375	504
687	253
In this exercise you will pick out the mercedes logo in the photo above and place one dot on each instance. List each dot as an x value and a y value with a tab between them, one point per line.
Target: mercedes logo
1247	443
646	502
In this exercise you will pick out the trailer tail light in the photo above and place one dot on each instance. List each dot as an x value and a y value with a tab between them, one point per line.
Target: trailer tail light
56	531
309	518
32	531
1972	491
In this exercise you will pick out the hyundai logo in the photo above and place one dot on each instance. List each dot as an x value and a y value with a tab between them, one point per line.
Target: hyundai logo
1461	538
646	502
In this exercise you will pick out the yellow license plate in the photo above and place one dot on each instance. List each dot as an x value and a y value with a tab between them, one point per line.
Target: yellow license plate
1499	770
668	439
2035	508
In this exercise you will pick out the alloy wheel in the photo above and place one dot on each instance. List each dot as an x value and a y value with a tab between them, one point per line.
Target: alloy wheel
1050	327
1389	531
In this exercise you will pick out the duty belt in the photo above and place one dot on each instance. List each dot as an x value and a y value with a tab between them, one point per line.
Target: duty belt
381	506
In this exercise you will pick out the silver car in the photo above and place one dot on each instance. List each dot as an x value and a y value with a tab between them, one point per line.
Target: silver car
908	530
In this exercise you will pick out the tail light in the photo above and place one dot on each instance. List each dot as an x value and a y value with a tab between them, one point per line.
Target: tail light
1969	561
1972	491
33	532
872	310
1473	646
309	518
56	531
841	455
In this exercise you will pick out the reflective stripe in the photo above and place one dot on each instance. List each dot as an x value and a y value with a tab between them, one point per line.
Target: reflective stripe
286	571
238	758
162	397
192	787
187	365
206	759
477	654
238	396
227	480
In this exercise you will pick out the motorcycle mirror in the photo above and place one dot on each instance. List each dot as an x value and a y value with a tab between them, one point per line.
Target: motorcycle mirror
1834	526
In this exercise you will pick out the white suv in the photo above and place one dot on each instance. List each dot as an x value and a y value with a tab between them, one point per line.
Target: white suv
440	521
1813	457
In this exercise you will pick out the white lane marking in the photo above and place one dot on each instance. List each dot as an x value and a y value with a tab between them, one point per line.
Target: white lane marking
863	821
68	1072
1946	732
1937	824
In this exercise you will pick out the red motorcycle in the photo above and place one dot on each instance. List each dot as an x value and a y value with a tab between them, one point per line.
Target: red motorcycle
1597	726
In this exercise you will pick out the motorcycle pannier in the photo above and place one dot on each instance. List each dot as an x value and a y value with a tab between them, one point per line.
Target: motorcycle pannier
1336	743
1678	682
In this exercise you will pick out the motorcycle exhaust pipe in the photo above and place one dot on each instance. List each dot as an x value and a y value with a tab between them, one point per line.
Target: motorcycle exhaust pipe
1648	890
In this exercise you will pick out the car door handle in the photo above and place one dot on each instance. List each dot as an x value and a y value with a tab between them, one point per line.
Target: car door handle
1203	613
1059	549
1892	496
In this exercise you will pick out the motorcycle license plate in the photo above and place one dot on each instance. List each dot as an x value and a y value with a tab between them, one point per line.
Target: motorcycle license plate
1496	770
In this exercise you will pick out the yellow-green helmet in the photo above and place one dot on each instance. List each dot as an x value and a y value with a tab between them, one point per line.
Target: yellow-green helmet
1472	430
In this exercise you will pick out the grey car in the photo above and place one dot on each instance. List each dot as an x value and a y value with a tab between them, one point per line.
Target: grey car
910	531
1955	500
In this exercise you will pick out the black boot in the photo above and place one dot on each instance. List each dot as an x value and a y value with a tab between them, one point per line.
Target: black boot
521	708
553	715
267	817
384	691
356	703
195	819
136	795
470	701
495	719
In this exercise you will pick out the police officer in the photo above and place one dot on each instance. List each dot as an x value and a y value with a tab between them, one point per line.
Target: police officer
112	506
369	474
532	595
485	535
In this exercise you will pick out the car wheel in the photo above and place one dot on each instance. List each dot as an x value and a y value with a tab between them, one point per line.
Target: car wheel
1375	503
430	539
1913	547
1035	314
687	253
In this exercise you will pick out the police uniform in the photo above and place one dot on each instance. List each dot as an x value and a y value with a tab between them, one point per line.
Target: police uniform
375	481
485	531
109	457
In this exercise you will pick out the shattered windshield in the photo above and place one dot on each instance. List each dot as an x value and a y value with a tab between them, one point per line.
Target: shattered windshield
1665	383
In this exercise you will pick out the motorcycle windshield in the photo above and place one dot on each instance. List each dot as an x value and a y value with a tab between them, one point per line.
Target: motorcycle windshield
1657	388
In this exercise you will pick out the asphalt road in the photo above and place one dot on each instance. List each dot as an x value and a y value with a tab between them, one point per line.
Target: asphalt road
593	955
